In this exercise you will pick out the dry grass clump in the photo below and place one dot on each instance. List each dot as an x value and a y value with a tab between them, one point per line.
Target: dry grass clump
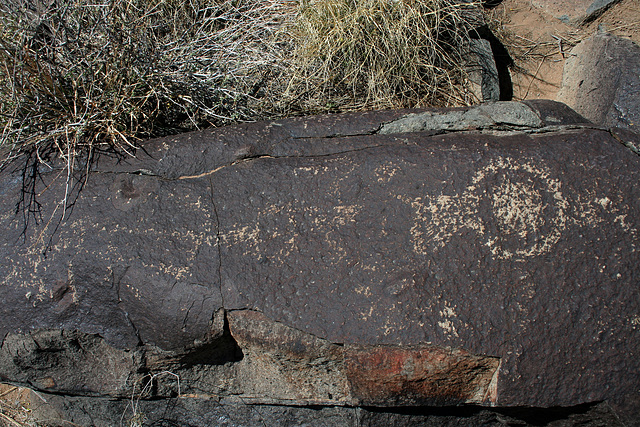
366	54
85	74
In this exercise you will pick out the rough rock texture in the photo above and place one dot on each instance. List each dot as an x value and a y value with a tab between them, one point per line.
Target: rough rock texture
601	81
488	64
483	72
575	11
483	256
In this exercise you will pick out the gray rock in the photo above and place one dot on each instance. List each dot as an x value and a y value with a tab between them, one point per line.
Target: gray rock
575	12
495	115
483	72
336	261
601	81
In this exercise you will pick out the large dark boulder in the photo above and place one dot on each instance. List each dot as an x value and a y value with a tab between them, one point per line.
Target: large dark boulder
483	256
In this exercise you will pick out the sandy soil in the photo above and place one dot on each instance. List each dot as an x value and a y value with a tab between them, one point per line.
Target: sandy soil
14	405
540	43
623	20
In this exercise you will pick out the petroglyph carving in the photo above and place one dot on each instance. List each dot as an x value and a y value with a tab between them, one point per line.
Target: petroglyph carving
526	205
319	225
526	214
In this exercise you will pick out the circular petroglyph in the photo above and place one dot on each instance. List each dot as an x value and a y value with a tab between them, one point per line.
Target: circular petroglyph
521	207
516	208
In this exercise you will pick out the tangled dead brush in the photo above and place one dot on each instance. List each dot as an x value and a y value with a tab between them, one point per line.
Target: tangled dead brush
15	406
80	74
80	77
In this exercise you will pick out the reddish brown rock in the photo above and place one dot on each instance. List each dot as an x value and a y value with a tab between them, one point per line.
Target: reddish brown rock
283	364
430	376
